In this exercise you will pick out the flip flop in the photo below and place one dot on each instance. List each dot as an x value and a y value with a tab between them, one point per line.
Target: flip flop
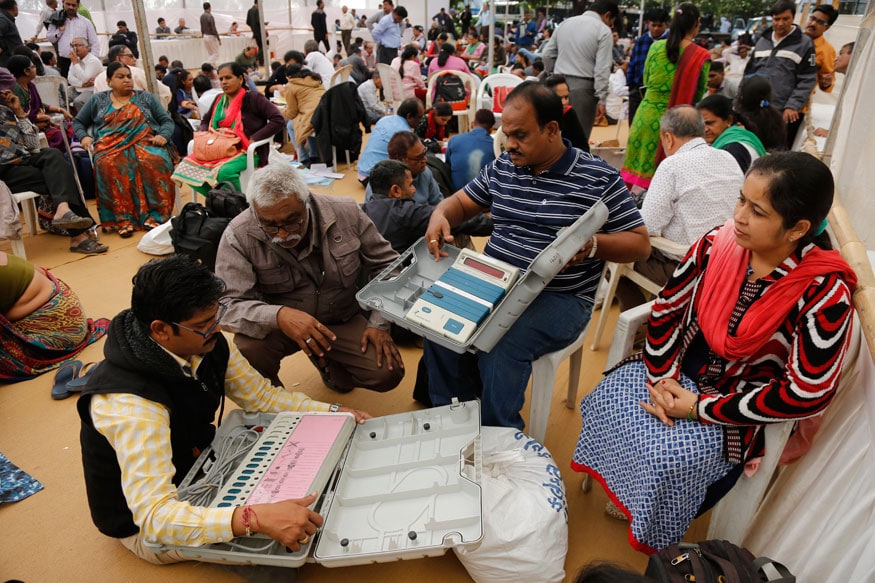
76	385
66	373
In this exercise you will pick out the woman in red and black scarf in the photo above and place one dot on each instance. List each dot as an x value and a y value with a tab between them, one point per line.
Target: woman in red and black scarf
751	329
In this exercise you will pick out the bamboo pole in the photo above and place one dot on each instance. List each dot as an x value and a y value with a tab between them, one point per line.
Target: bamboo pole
854	252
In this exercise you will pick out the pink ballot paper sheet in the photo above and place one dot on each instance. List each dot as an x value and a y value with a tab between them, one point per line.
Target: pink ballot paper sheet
298	461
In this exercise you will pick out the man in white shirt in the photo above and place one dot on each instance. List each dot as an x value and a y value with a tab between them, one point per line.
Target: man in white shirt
347	23
582	50
735	59
74	27
84	68
124	55
369	92
693	190
318	63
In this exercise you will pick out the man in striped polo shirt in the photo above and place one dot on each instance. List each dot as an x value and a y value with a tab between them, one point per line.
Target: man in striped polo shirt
539	185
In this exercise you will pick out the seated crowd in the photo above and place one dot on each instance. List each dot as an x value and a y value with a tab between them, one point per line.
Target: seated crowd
750	328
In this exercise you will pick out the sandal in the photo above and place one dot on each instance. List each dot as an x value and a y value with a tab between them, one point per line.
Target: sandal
151	224
89	246
77	384
126	231
614	511
67	372
71	220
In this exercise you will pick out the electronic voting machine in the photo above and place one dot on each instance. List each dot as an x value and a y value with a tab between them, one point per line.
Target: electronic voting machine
467	301
396	487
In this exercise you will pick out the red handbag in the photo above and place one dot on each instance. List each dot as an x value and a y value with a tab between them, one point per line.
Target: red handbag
216	144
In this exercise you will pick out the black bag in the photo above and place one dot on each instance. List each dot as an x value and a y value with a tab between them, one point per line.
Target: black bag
226	201
714	561
196	233
450	88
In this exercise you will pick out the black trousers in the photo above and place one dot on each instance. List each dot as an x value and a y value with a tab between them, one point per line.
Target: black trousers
634	101
259	58
64	66
386	54
46	172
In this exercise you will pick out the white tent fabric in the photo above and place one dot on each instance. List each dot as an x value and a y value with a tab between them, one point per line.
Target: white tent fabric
292	17
854	142
819	517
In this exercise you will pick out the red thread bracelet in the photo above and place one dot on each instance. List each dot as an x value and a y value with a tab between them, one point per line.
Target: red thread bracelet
246	518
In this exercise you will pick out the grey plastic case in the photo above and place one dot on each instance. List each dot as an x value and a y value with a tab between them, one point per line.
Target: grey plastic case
394	291
406	486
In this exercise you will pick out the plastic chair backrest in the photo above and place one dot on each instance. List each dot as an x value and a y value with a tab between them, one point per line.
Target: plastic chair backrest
493	82
393	87
53	91
341	75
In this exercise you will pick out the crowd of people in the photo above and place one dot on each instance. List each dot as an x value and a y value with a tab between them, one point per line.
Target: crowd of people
750	327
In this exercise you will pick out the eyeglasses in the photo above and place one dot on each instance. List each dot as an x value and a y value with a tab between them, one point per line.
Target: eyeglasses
220	313
289	227
818	21
74	45
422	156
127	55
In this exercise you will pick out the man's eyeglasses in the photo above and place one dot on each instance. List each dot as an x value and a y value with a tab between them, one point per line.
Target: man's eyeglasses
818	21
422	156
74	45
127	55
220	313
289	227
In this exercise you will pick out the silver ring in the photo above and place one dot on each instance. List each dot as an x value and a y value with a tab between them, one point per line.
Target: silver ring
308	340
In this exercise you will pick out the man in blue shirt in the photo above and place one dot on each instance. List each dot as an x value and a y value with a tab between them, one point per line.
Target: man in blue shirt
467	154
527	29
539	185
657	23
405	146
407	117
387	34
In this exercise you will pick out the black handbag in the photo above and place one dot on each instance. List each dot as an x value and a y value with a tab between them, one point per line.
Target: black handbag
196	233
226	201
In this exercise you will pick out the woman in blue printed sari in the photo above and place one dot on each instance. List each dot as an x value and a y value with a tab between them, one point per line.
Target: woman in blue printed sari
132	159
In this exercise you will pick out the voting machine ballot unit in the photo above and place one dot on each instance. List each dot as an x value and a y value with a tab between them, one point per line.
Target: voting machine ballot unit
467	301
402	486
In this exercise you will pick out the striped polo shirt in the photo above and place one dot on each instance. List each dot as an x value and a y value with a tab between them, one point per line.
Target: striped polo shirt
528	210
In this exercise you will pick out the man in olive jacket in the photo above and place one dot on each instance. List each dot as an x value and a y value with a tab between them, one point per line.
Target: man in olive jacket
291	264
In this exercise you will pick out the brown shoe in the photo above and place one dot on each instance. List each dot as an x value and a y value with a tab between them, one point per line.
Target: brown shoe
89	246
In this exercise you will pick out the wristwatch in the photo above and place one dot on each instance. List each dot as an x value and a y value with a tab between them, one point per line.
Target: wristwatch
334	407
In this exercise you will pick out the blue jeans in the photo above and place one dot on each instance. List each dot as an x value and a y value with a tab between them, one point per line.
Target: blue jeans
499	377
306	152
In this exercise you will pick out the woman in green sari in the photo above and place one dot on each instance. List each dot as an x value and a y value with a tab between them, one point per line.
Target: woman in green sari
722	132
675	73
246	113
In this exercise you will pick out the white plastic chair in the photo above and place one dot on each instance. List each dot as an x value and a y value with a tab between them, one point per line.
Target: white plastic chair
393	86
246	175
341	75
543	378
54	91
499	141
485	100
27	200
472	84
733	515
614	271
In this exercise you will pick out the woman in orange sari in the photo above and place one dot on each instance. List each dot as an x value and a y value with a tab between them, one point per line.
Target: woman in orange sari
132	159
